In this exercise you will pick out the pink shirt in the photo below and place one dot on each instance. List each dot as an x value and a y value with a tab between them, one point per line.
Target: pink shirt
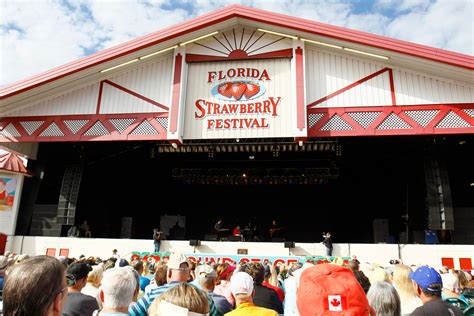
224	290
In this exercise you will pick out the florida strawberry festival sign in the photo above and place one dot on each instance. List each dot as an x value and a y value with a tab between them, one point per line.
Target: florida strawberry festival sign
237	89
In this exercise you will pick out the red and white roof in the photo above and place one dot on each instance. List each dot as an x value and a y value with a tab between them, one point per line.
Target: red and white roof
320	80
223	18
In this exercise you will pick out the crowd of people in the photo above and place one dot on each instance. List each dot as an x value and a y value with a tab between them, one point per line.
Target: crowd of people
44	285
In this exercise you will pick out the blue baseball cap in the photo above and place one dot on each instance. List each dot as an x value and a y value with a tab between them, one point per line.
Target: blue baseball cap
426	276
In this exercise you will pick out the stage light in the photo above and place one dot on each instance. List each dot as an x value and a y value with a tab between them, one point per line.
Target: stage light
174	145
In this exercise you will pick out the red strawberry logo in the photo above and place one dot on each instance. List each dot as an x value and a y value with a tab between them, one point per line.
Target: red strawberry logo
252	89
335	302
224	89
238	89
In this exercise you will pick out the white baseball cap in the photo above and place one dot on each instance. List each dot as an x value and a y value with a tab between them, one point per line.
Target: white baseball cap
241	283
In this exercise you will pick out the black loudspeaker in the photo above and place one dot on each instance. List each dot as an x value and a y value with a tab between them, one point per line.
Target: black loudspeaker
289	244
194	242
233	238
380	227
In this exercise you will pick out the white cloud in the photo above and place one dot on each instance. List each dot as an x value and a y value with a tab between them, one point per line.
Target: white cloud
443	24
38	35
44	36
403	5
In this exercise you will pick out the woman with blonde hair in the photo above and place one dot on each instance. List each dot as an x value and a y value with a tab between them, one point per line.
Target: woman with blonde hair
182	297
409	300
94	279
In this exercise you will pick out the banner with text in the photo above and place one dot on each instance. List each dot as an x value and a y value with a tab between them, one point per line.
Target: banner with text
241	99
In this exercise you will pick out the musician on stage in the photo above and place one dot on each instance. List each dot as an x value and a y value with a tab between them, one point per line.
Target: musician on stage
220	230
237	233
327	242
274	229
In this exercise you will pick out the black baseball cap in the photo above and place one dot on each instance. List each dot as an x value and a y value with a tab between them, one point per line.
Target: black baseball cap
79	270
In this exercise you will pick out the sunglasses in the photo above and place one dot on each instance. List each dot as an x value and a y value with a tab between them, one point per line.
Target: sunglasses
70	279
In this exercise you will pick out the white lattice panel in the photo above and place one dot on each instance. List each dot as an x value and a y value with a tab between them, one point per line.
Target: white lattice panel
31	126
52	130
10	131
121	124
452	120
145	128
75	125
394	122
422	117
336	123
163	121
469	112
314	119
364	118
97	130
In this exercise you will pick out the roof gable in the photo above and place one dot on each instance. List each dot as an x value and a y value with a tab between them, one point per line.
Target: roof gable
291	24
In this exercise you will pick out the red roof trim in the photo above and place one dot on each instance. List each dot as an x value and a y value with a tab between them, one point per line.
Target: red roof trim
233	11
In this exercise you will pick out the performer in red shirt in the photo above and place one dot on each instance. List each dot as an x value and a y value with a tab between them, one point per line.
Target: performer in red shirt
236	232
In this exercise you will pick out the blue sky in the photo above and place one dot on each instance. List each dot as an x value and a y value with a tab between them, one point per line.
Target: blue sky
37	35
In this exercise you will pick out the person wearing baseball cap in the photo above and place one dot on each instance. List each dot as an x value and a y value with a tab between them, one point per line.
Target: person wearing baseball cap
178	272
428	286
241	285
78	303
206	278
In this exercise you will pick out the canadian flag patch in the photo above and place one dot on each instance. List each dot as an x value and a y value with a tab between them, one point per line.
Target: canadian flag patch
336	303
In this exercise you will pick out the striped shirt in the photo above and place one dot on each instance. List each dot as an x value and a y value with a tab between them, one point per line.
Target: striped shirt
140	308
